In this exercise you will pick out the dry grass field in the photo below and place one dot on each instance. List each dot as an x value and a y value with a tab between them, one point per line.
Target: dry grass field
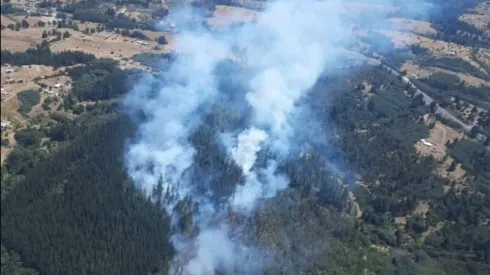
408	25
6	20
19	41
110	45
414	70
480	16
438	136
226	15
437	48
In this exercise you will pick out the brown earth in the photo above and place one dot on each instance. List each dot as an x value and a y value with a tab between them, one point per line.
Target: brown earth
19	41
414	70
226	15
438	136
479	16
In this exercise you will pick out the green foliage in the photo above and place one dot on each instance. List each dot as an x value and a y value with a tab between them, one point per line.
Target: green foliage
135	34
12	265
417	224
22	159
472	155
82	212
28	99
162	40
28	137
10	9
99	80
398	178
86	220
344	260
153	60
442	86
419	263
5	142
111	21
42	55
66	34
454	64
78	109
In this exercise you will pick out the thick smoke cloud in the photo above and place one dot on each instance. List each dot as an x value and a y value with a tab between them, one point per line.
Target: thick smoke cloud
288	48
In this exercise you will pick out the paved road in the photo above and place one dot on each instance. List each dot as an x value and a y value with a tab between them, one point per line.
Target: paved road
427	99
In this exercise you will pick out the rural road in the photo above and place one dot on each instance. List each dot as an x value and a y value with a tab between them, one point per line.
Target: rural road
443	141
427	99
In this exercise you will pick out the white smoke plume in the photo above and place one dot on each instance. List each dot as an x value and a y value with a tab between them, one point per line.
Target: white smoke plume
245	153
288	47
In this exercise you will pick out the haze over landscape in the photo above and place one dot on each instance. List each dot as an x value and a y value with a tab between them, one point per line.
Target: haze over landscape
245	137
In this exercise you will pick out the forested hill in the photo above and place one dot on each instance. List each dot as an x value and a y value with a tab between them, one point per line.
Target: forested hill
366	194
75	212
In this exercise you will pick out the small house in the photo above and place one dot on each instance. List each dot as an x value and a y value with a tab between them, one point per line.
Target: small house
141	42
5	124
426	143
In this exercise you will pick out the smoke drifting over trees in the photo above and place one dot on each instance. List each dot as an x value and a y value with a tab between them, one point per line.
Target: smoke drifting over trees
257	124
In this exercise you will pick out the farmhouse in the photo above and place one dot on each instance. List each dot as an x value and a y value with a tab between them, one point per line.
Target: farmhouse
5	124
426	143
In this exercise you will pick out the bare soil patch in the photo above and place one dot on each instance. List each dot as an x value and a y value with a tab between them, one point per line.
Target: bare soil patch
367	89
422	208
6	20
458	175
414	70
402	221
438	137
381	248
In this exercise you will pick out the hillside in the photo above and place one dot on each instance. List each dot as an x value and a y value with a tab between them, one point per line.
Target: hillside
217	137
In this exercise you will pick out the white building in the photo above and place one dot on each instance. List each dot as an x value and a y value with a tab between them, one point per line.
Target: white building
141	42
426	143
5	124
